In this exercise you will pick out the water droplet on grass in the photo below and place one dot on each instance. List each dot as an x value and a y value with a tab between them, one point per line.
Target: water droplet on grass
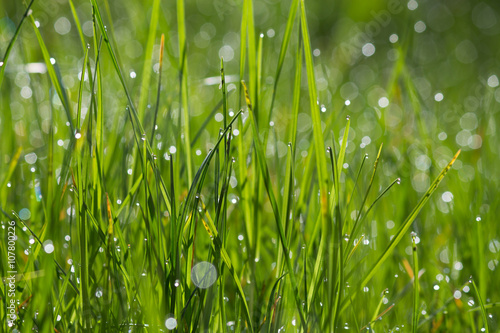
30	158
24	214
48	246
203	275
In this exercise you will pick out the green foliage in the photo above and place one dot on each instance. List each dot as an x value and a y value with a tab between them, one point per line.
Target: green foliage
146	199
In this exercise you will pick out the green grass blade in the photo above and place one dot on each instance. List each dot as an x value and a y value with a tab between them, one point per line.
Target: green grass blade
54	78
416	287
343	147
183	85
146	68
319	144
296	95
78	25
481	305
8	175
407	223
284	45
270	303
3	63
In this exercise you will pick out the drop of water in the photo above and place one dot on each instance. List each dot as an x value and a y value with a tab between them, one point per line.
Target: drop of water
348	117
203	275
30	158
171	323
398	181
48	246
25	214
98	293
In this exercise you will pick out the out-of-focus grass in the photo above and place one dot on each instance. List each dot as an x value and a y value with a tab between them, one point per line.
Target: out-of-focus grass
126	184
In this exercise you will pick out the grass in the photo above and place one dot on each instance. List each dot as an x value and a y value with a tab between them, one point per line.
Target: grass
270	204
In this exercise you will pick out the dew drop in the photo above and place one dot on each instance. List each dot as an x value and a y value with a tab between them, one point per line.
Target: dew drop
171	323
203	274
48	246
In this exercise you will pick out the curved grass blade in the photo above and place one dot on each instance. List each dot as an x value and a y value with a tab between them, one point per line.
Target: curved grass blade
270	304
12	41
221	251
481	304
416	287
8	174
407	223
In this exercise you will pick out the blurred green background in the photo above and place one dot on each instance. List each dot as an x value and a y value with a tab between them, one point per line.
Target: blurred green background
420	76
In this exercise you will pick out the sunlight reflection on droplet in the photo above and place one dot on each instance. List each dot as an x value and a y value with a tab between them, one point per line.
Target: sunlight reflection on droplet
48	247
171	323
203	275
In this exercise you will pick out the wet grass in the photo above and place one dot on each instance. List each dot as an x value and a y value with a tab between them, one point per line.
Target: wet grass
126	221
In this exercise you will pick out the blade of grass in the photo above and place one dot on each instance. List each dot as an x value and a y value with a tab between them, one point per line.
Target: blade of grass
270	303
481	304
146	68
8	175
416	287
3	63
407	223
183	85
281	59
218	247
